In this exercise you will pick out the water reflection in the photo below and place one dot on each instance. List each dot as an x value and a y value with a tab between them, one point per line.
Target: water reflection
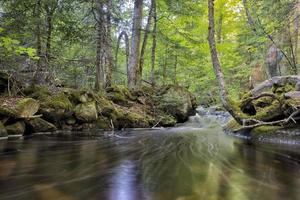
179	163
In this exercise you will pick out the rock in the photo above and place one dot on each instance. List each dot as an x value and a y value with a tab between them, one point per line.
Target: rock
177	102
3	132
71	121
120	95
19	108
27	107
294	95
16	129
55	115
103	123
39	125
166	121
59	101
86	112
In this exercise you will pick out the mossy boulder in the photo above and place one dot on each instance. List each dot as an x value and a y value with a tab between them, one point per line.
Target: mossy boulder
58	101
19	108
232	125
120	95
3	131
177	102
39	125
27	107
166	120
16	129
86	112
56	116
103	123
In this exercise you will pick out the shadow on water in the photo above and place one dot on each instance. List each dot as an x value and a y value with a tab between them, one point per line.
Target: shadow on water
195	160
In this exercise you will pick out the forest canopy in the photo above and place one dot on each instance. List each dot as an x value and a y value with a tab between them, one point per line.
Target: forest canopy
87	43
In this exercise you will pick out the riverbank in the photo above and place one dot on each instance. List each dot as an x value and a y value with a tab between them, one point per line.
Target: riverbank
46	109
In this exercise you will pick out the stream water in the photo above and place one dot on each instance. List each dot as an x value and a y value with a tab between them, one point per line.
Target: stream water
195	160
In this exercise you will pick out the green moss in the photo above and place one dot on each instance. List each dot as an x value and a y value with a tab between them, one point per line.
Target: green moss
232	125
265	130
58	101
269	112
7	112
103	123
37	92
27	107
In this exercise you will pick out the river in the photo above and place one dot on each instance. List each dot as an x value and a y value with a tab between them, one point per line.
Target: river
195	160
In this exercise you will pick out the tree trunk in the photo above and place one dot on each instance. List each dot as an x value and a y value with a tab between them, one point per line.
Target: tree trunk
126	40
165	66
135	44
99	49
219	32
108	46
49	37
175	68
147	29
50	8
38	34
216	64
153	50
296	33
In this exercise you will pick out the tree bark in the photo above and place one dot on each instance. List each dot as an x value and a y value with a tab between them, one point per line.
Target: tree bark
38	33
126	40
50	8
108	49
153	50
135	44
216	64
220	27
99	48
296	33
144	44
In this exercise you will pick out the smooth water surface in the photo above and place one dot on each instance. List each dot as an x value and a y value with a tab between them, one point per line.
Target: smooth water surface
193	161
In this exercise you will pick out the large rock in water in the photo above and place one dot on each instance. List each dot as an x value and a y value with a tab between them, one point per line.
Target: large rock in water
16	129
86	112
3	132
177	102
39	125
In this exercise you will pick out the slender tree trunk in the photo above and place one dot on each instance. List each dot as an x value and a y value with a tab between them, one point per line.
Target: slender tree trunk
175	68
292	53
135	44
153	50
50	8
296	35
147	30
216	63
220	26
126	40
49	37
165	66
38	33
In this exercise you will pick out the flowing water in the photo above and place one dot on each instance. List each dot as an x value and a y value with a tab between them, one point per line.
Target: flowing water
195	160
